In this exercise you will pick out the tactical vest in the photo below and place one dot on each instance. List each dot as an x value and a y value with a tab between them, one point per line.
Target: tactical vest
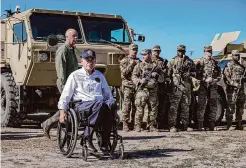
181	65
236	71
210	68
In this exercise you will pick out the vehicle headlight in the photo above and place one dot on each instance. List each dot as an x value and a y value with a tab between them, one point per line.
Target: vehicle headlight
43	57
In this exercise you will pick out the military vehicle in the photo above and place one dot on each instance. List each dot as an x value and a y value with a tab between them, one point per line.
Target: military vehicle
28	74
224	47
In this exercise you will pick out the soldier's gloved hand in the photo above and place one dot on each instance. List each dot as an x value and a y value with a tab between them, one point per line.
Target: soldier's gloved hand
237	85
118	46
186	74
208	80
154	75
214	81
137	61
133	62
143	81
181	88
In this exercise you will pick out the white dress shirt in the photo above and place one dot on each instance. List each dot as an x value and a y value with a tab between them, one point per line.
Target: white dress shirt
82	86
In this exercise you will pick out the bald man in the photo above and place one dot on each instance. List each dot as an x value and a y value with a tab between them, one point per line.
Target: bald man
66	62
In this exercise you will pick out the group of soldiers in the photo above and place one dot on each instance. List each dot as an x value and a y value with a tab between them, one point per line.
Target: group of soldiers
166	88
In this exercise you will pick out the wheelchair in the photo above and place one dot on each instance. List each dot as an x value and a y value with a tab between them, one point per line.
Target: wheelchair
68	134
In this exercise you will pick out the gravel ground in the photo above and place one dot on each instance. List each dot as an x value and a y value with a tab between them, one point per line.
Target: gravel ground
26	147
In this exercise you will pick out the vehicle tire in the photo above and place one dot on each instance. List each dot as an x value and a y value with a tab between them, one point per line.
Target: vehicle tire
9	93
221	106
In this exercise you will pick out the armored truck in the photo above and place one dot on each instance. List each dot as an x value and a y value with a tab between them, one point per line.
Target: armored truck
28	74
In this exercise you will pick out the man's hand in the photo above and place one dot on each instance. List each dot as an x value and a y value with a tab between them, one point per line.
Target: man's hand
214	81
143	81
186	74
137	61
133	62
237	85
63	116
119	46
117	118
154	74
209	80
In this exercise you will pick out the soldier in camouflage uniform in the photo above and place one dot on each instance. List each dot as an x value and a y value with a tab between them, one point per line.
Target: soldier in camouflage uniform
180	68
128	87
209	74
235	79
162	87
145	76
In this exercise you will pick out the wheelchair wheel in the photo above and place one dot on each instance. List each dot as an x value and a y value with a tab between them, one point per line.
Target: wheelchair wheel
120	152
84	153
113	140
67	134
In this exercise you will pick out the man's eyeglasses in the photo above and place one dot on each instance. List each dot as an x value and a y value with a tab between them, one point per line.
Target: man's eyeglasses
90	59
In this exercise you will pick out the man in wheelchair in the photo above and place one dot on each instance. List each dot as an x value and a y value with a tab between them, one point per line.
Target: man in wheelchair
90	87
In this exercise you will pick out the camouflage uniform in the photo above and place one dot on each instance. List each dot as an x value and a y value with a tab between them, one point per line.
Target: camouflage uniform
233	73
180	70
66	62
128	88
207	93
146	93
162	87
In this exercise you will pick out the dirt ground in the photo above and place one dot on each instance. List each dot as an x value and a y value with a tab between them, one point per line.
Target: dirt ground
26	147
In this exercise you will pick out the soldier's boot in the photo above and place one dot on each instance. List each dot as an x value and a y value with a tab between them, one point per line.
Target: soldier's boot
151	128
187	128
126	126
239	125
50	123
200	126
138	128
173	129
211	126
229	126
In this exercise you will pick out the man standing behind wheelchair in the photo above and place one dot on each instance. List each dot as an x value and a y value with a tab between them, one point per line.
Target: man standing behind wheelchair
91	88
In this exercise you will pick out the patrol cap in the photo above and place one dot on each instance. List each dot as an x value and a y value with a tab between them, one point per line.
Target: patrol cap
133	46
235	52
181	48
208	48
156	48
145	52
88	53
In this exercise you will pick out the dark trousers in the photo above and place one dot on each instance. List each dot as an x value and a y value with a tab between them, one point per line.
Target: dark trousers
101	117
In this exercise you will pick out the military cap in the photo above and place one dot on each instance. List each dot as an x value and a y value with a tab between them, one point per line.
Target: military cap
133	46
156	48
235	52
181	47
88	53
145	51
208	48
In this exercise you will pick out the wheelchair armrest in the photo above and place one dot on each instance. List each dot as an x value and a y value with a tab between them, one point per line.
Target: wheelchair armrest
72	103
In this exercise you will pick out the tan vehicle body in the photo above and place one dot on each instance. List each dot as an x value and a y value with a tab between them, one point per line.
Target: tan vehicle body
22	59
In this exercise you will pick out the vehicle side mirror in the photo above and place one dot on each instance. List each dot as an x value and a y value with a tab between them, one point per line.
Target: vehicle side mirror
52	40
141	38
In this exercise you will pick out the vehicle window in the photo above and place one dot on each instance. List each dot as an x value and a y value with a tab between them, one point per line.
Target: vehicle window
109	30
19	33
44	24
